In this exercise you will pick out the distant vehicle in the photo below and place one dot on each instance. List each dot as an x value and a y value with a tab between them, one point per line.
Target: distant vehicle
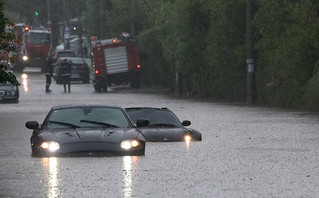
8	91
164	125
86	46
63	53
115	62
80	70
35	49
86	130
74	45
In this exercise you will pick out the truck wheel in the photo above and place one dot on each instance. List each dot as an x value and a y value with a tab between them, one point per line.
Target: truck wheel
135	82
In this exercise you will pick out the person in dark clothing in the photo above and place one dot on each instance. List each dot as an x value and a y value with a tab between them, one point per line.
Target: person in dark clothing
48	75
66	74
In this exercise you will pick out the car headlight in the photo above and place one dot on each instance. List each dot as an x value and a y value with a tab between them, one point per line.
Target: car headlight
129	144
51	146
25	58
12	92
188	138
188	135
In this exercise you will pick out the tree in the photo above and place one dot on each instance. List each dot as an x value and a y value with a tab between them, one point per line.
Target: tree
6	45
288	52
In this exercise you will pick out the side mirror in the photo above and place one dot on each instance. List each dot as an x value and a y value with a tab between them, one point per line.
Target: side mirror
32	125
142	122
186	123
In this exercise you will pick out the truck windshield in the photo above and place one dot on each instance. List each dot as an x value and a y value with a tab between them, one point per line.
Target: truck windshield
38	38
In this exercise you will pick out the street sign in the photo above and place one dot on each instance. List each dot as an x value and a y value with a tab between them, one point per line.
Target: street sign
67	33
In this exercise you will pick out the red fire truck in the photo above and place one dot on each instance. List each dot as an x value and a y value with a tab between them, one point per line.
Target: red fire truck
35	49
115	62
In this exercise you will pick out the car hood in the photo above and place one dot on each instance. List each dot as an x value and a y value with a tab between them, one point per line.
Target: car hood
163	134
6	87
113	135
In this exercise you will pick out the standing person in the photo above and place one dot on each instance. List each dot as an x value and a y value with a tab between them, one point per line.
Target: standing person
48	75
66	74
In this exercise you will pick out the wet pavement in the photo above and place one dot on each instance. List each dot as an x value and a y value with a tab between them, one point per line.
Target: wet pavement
245	152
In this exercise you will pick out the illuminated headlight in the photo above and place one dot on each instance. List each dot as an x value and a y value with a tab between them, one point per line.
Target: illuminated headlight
25	58
188	135
128	144
51	146
188	138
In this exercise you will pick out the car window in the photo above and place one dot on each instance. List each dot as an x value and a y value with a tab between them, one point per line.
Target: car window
66	54
77	61
38	38
155	116
86	117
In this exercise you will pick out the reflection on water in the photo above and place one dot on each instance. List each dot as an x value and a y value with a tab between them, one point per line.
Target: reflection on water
50	165
187	145
129	165
25	82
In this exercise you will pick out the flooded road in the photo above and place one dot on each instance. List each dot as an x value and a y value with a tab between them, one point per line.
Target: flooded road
245	152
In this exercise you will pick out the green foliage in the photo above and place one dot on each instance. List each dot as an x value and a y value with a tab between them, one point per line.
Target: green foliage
203	39
6	37
155	52
24	11
288	50
226	50
96	17
8	77
206	41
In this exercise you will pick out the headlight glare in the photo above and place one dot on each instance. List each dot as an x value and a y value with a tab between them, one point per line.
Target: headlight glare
187	138
128	144
25	58
51	146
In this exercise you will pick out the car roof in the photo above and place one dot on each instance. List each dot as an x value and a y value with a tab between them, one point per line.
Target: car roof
139	108
75	60
70	106
64	51
70	58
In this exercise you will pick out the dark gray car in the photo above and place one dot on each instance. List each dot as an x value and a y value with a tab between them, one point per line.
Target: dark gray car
164	125
9	93
86	130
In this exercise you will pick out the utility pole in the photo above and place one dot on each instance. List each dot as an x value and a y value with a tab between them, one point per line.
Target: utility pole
249	55
66	18
101	11
49	13
80	33
132	17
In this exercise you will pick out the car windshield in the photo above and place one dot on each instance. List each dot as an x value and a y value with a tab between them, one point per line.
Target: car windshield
77	61
65	54
157	117
93	117
38	38
76	40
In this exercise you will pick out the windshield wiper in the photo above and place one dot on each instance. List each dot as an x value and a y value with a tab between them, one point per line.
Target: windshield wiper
65	123
100	123
162	125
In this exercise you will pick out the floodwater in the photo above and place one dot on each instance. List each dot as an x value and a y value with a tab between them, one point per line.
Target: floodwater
245	152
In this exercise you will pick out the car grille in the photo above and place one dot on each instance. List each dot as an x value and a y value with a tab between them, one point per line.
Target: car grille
89	147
